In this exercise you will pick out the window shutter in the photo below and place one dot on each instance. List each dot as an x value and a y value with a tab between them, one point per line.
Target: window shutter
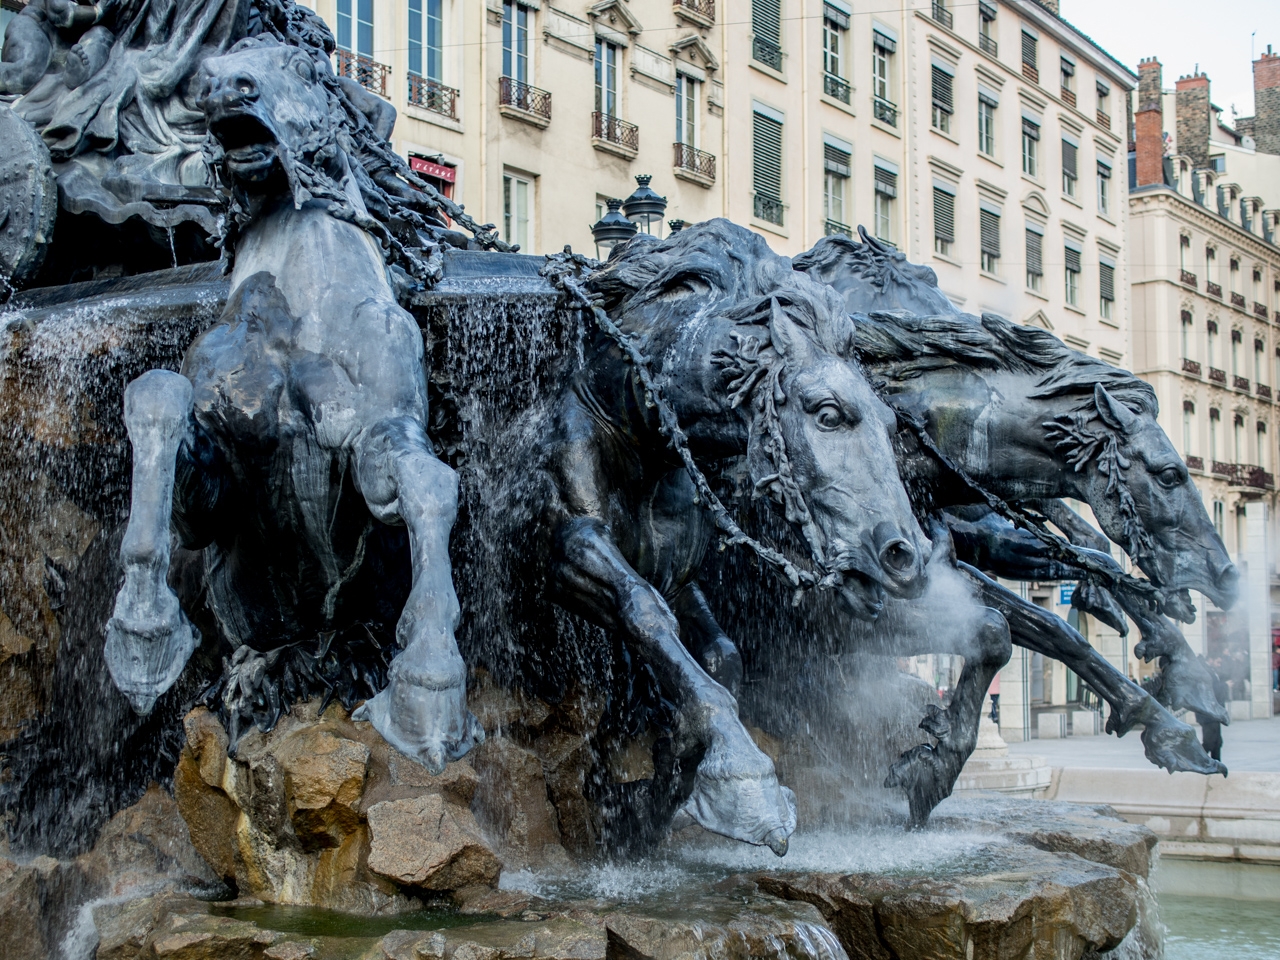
883	41
838	18
886	182
1028	49
1107	281
942	90
767	156
1069	159
1073	259
944	215
984	97
989	232
1104	170
1035	253
1030	129
986	9
766	20
835	160
1068	67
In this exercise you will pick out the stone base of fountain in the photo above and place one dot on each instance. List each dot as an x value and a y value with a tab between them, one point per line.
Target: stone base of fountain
991	769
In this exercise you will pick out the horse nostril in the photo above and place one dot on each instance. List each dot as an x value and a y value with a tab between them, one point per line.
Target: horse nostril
245	88
898	557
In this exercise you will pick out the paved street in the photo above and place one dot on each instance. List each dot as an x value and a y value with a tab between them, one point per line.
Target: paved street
1248	746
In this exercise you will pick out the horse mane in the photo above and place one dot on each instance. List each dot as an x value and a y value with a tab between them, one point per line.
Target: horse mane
902	347
877	266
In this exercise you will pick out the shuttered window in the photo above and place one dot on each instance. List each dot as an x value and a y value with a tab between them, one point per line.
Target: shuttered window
1030	128
944	217
1069	159
989	232
886	182
942	90
766	20
1073	258
1029	50
837	17
1107	280
767	156
835	160
883	42
1035	253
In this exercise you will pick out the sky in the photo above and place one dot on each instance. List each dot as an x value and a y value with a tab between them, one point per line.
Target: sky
1182	33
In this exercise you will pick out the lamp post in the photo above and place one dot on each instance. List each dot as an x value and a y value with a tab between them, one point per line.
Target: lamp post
676	225
644	206
613	228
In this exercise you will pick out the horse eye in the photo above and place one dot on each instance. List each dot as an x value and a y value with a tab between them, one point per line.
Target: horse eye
303	69
829	416
1171	476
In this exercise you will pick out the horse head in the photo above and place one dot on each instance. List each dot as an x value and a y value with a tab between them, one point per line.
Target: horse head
874	277
773	353
271	114
1142	495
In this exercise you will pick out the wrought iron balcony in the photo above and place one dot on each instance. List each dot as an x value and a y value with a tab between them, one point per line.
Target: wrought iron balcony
1194	463
610	129
1260	309
521	96
886	111
1213	289
1237	300
1188	278
433	96
988	45
833	86
698	162
1191	366
1218	376
1240	383
767	52
768	209
1068	97
941	14
1262	390
1248	475
834	227
1227	470
1104	120
703	11
366	71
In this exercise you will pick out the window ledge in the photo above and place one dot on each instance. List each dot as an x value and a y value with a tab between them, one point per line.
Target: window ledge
1106	218
1073	201
767	70
992	276
1112	323
1033	181
684	173
617	149
770	227
944	136
990	159
1067	306
1036	293
881	125
840	104
433	118
524	116
945	259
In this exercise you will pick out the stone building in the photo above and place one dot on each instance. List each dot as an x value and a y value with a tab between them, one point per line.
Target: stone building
1204	228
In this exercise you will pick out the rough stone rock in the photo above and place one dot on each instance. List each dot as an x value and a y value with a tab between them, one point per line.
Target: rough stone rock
512	805
324	779
142	843
427	843
21	924
124	926
556	939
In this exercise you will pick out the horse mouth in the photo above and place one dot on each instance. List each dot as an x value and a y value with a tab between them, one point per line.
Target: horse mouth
248	144
863	596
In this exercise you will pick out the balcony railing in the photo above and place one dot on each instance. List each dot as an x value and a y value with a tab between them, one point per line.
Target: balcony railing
1068	97
366	71
521	96
1188	278
1213	289
767	52
1262	390
1259	309
941	13
704	10
698	162
834	227
433	96
1191	366
1237	300
614	130
768	209
1217	376
1104	120
1247	475
1227	470
886	111
1194	463
833	86
988	45
1240	383
1031	73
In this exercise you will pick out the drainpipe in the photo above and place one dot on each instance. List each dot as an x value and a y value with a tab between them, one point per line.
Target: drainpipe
804	132
483	87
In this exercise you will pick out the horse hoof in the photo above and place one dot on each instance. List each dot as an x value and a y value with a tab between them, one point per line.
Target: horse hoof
430	726
1172	744
146	655
737	795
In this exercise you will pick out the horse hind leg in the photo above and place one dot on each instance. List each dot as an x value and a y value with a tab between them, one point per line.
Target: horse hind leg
706	639
149	638
422	711
927	773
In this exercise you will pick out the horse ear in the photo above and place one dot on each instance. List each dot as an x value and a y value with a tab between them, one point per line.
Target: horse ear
1114	413
788	339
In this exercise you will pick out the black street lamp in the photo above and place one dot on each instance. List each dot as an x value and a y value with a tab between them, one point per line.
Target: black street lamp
676	225
644	206
613	228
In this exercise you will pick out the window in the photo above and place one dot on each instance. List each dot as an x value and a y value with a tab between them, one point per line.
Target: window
1264	452
607	60
1104	103
1259	353
1186	334
834	24
1218	510
1215	419
1070	147
1067	73
1237	436
882	50
1035	257
1234	279
1184	248
1257	286
767	165
1242	533
1072	289
1210	261
989	238
986	27
766	26
1029	43
886	191
1106	286
515	41
686	111
433	47
1236	337
361	30
1030	146
837	157
517	211
1104	187
944	218
987	104
942	100
1188	412
1211	341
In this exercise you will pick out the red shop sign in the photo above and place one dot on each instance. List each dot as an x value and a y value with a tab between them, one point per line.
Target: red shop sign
437	170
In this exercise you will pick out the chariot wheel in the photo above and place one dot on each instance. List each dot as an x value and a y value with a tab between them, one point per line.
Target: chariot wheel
28	200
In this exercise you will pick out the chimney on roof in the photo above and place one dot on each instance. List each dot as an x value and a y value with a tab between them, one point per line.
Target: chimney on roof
1266	102
1193	118
1050	5
1149	125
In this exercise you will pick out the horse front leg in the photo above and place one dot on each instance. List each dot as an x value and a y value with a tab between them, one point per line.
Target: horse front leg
736	791
149	638
1166	740
422	711
706	639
